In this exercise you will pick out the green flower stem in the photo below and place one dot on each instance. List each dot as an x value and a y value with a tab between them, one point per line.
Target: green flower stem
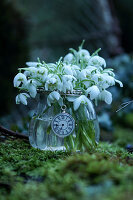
85	132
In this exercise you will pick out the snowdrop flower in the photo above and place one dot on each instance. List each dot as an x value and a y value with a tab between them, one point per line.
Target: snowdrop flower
41	70
32	88
18	79
22	98
109	79
75	70
53	82
32	64
68	58
91	69
87	58
109	72
54	96
96	77
31	71
83	53
103	77
67	69
84	73
97	61
105	96
68	83
93	91
82	100
51	66
42	73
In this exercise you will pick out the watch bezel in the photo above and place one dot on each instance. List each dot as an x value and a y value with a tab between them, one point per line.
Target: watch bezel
62	136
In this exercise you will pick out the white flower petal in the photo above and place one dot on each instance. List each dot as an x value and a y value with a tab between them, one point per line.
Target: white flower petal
60	101
32	64
76	103
23	99
71	98
93	91
48	102
120	83
106	96
32	91
83	53
17	83
68	58
18	79
17	99
97	61
56	95
68	70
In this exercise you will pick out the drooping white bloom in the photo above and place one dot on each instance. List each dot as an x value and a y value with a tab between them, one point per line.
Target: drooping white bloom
84	73
53	82
93	91
68	83
82	100
54	96
30	71
18	79
42	73
109	72
97	61
75	70
32	88
51	66
109	79
32	64
87	58
96	77
105	96
68	58
83	53
91	68
22	98
103	80
67	69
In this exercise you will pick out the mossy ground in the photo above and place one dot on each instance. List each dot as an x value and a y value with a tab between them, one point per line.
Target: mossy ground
105	173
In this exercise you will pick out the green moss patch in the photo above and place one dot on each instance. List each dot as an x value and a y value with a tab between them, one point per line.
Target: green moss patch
28	173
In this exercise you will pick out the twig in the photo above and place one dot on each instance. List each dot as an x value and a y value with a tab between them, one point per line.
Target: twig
123	105
15	134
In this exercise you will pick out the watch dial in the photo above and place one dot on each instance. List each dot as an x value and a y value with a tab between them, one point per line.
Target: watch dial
63	124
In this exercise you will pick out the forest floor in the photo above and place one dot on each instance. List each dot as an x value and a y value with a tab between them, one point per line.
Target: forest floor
105	173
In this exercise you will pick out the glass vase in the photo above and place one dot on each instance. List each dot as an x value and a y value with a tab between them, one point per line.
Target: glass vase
85	135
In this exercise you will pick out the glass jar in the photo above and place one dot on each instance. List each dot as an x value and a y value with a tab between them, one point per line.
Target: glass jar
85	135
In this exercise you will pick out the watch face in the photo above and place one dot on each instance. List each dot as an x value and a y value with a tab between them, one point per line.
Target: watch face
63	124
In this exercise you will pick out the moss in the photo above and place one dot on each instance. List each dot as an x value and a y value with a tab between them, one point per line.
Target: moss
122	136
28	173
128	119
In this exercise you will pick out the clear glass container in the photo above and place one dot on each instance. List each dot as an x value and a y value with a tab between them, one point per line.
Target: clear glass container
85	135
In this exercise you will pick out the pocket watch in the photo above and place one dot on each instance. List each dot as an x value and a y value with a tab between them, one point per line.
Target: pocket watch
63	124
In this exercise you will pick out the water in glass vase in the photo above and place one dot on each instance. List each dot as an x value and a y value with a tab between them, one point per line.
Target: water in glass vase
41	135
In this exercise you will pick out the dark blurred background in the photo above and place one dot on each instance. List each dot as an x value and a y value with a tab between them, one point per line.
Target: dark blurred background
47	29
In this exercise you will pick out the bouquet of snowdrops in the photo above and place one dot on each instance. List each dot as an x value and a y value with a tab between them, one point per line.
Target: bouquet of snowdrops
77	71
